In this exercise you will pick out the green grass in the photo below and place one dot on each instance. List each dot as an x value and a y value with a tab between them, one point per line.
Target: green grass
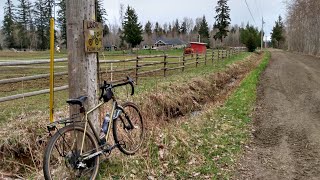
203	147
29	55
227	127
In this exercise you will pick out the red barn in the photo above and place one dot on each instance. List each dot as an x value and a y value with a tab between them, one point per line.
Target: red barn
199	47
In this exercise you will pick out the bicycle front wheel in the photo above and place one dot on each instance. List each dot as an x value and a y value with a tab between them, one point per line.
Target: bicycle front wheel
62	158
129	138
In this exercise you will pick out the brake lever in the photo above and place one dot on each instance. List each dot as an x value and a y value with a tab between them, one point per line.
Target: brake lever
130	80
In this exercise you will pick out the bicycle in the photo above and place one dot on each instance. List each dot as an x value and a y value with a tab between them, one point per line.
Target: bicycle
73	151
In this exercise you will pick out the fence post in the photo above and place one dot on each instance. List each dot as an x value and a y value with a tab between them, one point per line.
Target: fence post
212	55
183	61
197	60
165	66
218	56
222	54
205	59
137	67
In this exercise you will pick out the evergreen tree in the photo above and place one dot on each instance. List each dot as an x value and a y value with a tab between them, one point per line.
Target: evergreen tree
169	28
250	36
148	28
9	24
62	21
158	30
23	19
222	20
132	30
183	28
101	15
204	30
43	12
277	34
100	11
176	27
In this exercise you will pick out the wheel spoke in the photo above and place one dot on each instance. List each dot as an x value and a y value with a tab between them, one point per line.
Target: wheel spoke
62	159
129	129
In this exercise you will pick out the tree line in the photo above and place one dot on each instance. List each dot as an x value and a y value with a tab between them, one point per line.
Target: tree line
303	24
221	34
26	26
300	31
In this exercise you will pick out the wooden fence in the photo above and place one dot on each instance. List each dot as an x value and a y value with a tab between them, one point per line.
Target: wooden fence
137	68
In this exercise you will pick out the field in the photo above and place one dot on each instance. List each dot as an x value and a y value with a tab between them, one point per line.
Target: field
16	107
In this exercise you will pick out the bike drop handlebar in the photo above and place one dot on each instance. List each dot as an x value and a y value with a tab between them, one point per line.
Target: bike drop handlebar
105	86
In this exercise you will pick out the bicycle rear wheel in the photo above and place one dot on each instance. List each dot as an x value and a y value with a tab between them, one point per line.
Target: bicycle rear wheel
129	139
61	158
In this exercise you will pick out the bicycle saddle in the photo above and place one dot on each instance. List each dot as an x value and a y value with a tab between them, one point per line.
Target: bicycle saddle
78	101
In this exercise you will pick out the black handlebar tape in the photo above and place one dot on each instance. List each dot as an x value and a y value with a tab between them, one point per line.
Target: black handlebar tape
122	84
132	88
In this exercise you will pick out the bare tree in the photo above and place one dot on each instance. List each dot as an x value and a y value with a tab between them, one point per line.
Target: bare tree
302	26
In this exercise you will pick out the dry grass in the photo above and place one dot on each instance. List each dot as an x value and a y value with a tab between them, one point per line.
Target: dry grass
180	99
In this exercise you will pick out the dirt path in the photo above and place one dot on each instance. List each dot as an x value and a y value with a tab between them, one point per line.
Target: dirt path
286	127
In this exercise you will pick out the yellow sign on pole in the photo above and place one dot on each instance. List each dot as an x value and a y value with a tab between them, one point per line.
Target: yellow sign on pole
93	34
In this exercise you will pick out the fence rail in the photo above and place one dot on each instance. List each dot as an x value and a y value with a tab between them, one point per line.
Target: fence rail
137	68
33	62
28	78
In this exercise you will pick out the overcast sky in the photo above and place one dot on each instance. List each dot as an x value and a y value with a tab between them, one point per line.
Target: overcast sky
168	10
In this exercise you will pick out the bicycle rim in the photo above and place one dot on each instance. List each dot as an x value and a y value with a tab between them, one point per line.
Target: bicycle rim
129	140
61	160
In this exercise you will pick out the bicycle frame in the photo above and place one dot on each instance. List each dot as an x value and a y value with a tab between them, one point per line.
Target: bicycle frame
87	121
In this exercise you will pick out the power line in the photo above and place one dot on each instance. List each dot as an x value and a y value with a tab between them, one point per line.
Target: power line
250	12
258	9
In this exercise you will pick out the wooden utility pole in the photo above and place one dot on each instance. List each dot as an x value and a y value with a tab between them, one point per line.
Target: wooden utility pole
262	34
82	66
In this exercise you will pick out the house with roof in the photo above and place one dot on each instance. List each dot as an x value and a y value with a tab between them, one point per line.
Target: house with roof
169	43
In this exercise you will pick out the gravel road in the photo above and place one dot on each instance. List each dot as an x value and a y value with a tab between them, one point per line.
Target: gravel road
286	126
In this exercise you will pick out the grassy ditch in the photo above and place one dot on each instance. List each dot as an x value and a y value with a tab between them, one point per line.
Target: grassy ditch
203	145
24	138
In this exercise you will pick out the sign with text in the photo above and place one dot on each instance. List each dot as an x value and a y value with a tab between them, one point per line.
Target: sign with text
93	34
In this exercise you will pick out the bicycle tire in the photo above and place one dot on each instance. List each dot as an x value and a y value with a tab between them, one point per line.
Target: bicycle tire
55	154
122	136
